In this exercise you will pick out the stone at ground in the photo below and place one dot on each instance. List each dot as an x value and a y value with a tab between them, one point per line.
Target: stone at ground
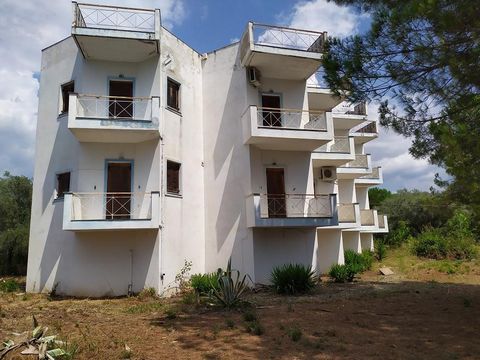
386	271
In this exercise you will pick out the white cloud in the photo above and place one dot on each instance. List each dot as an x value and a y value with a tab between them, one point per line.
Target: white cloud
26	27
325	16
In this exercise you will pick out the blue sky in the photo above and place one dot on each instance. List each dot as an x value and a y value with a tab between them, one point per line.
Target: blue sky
27	26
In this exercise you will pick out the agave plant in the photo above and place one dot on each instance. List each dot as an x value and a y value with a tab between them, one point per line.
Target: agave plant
231	286
37	342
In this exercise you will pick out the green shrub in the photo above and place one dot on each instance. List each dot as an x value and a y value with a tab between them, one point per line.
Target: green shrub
295	334
293	279
204	284
342	273
255	328
380	250
232	287
9	285
359	262
398	234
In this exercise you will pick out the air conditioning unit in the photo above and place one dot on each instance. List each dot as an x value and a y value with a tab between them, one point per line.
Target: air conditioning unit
254	76
329	173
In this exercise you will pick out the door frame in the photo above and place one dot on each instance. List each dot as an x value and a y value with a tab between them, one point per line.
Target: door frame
105	175
272	94
124	78
284	168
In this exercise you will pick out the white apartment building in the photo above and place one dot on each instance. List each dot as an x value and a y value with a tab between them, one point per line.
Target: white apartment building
149	154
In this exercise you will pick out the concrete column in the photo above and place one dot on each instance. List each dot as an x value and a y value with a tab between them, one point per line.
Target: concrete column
367	241
329	249
352	241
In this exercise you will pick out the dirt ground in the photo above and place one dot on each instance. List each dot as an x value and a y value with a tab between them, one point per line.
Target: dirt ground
373	318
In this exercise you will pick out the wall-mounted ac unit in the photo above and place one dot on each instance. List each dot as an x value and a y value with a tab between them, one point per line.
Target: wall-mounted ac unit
254	76
329	173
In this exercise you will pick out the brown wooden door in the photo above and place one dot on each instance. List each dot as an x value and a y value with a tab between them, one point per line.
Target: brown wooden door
270	116
120	104
277	206
118	199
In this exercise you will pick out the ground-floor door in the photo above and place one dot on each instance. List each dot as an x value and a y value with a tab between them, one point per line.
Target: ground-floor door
277	206
119	186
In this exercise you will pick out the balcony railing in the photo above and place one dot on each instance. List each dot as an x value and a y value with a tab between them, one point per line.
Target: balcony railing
288	38
291	119
295	205
369	128
374	175
114	18
351	109
361	161
318	80
367	217
381	221
114	107
111	206
347	213
340	144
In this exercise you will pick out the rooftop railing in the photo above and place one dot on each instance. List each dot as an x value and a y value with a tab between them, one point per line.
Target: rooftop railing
114	107
361	161
295	205
111	206
291	119
113	17
288	38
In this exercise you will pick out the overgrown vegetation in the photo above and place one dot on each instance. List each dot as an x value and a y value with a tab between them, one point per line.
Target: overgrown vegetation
204	284
232	287
293	279
9	285
354	264
15	203
342	273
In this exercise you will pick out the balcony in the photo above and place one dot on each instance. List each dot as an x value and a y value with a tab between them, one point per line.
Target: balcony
280	52
95	118
291	210
366	132
369	218
347	116
372	179
349	214
335	153
111	211
115	33
357	168
286	129
319	95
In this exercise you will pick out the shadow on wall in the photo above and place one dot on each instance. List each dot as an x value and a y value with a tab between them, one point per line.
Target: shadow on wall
276	247
232	157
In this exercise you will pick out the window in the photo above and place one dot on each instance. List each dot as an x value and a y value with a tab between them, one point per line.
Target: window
173	94
66	90
63	184
173	177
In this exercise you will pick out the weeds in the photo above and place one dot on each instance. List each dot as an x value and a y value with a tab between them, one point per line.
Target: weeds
294	333
9	285
293	279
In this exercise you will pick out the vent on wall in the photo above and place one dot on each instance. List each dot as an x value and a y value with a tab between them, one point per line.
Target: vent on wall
254	76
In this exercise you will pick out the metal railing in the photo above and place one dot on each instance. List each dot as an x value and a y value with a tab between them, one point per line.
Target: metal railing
374	175
351	109
288	38
369	128
114	17
295	205
361	161
111	206
346	213
291	119
114	107
367	217
340	144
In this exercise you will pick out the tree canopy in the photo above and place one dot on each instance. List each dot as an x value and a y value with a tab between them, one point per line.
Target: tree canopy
420	59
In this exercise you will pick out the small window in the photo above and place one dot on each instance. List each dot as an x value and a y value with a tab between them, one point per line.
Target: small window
66	90
173	94
173	177
63	184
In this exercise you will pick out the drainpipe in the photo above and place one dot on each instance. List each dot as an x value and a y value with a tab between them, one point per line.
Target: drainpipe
130	286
